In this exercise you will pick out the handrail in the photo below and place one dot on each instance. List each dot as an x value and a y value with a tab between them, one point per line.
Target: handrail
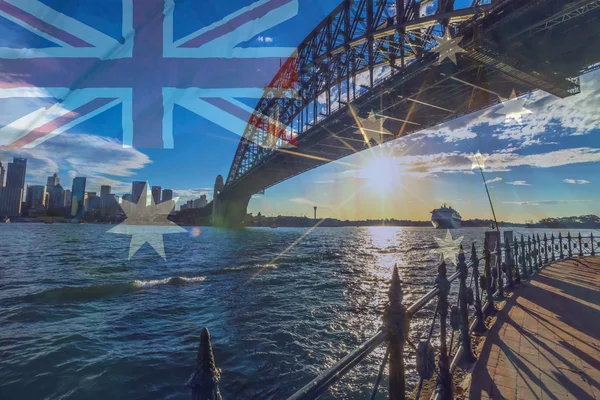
422	302
507	262
321	383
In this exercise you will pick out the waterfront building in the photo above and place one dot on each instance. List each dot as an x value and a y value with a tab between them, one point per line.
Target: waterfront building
92	201
78	196
67	198
106	198
56	197
167	195
10	201
138	190
52	181
156	194
36	197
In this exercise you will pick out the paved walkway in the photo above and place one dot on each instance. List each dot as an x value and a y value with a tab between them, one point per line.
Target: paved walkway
546	341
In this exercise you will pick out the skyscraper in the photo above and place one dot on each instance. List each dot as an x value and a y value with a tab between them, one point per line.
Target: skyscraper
57	197
167	195
11	197
52	181
1	175
78	196
138	190
156	194
36	196
10	201
105	198
15	177
67	198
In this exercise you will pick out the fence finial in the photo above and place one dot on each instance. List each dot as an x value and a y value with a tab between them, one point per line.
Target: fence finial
397	322
204	381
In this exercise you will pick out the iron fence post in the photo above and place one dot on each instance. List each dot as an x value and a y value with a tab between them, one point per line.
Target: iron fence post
552	244
479	324
529	255
516	261
486	279
396	323
540	262
204	381
499	268
524	258
508	260
465	336
545	249
580	245
592	244
444	379
569	244
535	253
560	243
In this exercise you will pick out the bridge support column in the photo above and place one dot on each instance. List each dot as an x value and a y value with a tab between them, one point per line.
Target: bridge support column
229	212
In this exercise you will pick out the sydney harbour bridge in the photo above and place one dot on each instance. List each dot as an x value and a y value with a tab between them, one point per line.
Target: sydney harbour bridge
407	65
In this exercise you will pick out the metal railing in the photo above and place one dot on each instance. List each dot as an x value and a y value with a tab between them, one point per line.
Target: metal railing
522	258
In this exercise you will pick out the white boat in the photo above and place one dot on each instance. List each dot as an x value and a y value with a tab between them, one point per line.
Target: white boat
446	218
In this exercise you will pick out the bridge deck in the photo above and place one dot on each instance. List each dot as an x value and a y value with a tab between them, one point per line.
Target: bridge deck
546	341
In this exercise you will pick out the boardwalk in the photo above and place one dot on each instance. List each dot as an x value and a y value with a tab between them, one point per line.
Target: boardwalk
546	341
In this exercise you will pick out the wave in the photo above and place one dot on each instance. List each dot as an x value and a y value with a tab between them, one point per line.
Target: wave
96	292
247	267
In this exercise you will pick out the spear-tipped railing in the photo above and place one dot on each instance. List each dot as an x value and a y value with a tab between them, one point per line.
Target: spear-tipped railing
467	318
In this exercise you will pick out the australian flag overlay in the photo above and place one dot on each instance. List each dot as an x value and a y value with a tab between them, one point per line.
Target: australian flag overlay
86	56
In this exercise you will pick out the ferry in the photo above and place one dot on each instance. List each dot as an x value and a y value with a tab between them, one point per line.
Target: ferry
446	218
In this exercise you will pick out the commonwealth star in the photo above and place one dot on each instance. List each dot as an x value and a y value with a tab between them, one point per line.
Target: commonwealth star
514	108
478	160
147	224
372	128
447	247
448	48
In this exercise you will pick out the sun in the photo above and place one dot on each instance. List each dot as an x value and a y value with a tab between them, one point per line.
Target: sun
382	173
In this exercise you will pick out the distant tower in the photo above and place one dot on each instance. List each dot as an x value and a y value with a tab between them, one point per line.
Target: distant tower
315	207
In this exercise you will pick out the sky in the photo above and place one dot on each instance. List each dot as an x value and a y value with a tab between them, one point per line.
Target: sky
545	166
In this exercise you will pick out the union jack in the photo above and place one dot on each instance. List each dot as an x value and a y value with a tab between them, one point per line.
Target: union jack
147	71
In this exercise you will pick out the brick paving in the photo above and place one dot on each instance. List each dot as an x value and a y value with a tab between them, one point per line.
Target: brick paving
545	343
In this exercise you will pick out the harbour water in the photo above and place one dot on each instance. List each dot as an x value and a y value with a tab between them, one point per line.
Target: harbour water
80	321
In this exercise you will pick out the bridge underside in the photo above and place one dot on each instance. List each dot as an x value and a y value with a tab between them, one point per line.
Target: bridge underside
518	52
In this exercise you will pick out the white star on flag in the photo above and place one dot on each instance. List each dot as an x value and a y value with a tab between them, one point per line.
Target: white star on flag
448	248
514	108
478	160
147	224
448	48
372	128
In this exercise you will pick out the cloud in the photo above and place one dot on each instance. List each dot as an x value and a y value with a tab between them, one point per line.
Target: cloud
192	194
102	160
325	182
576	181
571	116
498	179
501	161
551	202
518	183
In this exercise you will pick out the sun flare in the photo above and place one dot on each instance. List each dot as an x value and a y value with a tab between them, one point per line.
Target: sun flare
382	173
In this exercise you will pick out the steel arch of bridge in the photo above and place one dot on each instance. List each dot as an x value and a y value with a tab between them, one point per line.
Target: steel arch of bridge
358	45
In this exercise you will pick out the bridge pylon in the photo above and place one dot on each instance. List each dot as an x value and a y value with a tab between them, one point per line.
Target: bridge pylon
228	211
